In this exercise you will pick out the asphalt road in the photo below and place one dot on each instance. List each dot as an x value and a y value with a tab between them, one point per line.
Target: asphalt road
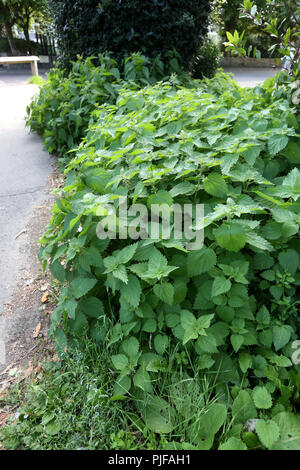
24	169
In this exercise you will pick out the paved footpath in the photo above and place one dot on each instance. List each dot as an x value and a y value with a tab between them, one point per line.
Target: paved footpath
251	76
24	169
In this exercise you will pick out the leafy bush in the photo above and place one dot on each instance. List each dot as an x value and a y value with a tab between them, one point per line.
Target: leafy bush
21	45
207	61
230	308
152	27
62	111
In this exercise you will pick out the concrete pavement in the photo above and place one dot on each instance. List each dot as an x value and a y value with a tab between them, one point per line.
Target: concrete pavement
250	77
24	169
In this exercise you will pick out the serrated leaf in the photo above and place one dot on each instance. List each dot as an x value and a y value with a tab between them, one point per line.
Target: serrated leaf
81	286
131	291
281	336
276	143
233	443
243	408
267	431
220	285
131	347
201	261
120	361
232	236
215	185
165	292
262	398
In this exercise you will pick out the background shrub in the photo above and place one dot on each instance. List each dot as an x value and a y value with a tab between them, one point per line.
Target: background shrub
21	45
152	27
207	60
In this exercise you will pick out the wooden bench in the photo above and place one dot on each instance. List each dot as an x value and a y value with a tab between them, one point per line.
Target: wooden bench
30	59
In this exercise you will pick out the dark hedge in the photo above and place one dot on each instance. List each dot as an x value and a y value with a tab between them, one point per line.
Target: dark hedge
153	27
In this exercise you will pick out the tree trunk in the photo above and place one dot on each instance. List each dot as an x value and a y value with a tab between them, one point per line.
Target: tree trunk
10	38
26	34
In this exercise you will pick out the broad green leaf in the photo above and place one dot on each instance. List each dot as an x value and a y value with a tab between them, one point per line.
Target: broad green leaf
220	285
281	336
81	286
215	185
165	292
268	432
262	398
131	347
233	443
201	261
243	408
276	143
231	236
131	291
120	361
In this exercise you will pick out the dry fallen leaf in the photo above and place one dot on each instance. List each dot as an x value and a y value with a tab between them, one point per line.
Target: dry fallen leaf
55	358
27	372
37	330
38	369
44	298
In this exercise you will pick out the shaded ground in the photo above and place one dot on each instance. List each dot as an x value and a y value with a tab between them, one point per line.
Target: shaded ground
24	213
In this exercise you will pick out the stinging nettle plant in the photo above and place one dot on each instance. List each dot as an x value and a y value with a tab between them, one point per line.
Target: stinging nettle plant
231	307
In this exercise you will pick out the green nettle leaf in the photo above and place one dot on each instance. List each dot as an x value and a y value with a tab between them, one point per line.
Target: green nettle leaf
150	325
231	236
289	260
281	336
58	271
215	185
268	432
60	340
233	443
157	416
207	344
161	197
263	316
220	286
81	286
92	307
182	188
165	292
141	379
206	427
226	313
161	343
188	323
276	143
131	291
126	254
245	361
289	427
120	361
122	386
243	408
131	347
236	341
120	272
201	261
262	398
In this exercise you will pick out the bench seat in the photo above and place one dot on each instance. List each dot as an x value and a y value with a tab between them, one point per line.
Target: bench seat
27	59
